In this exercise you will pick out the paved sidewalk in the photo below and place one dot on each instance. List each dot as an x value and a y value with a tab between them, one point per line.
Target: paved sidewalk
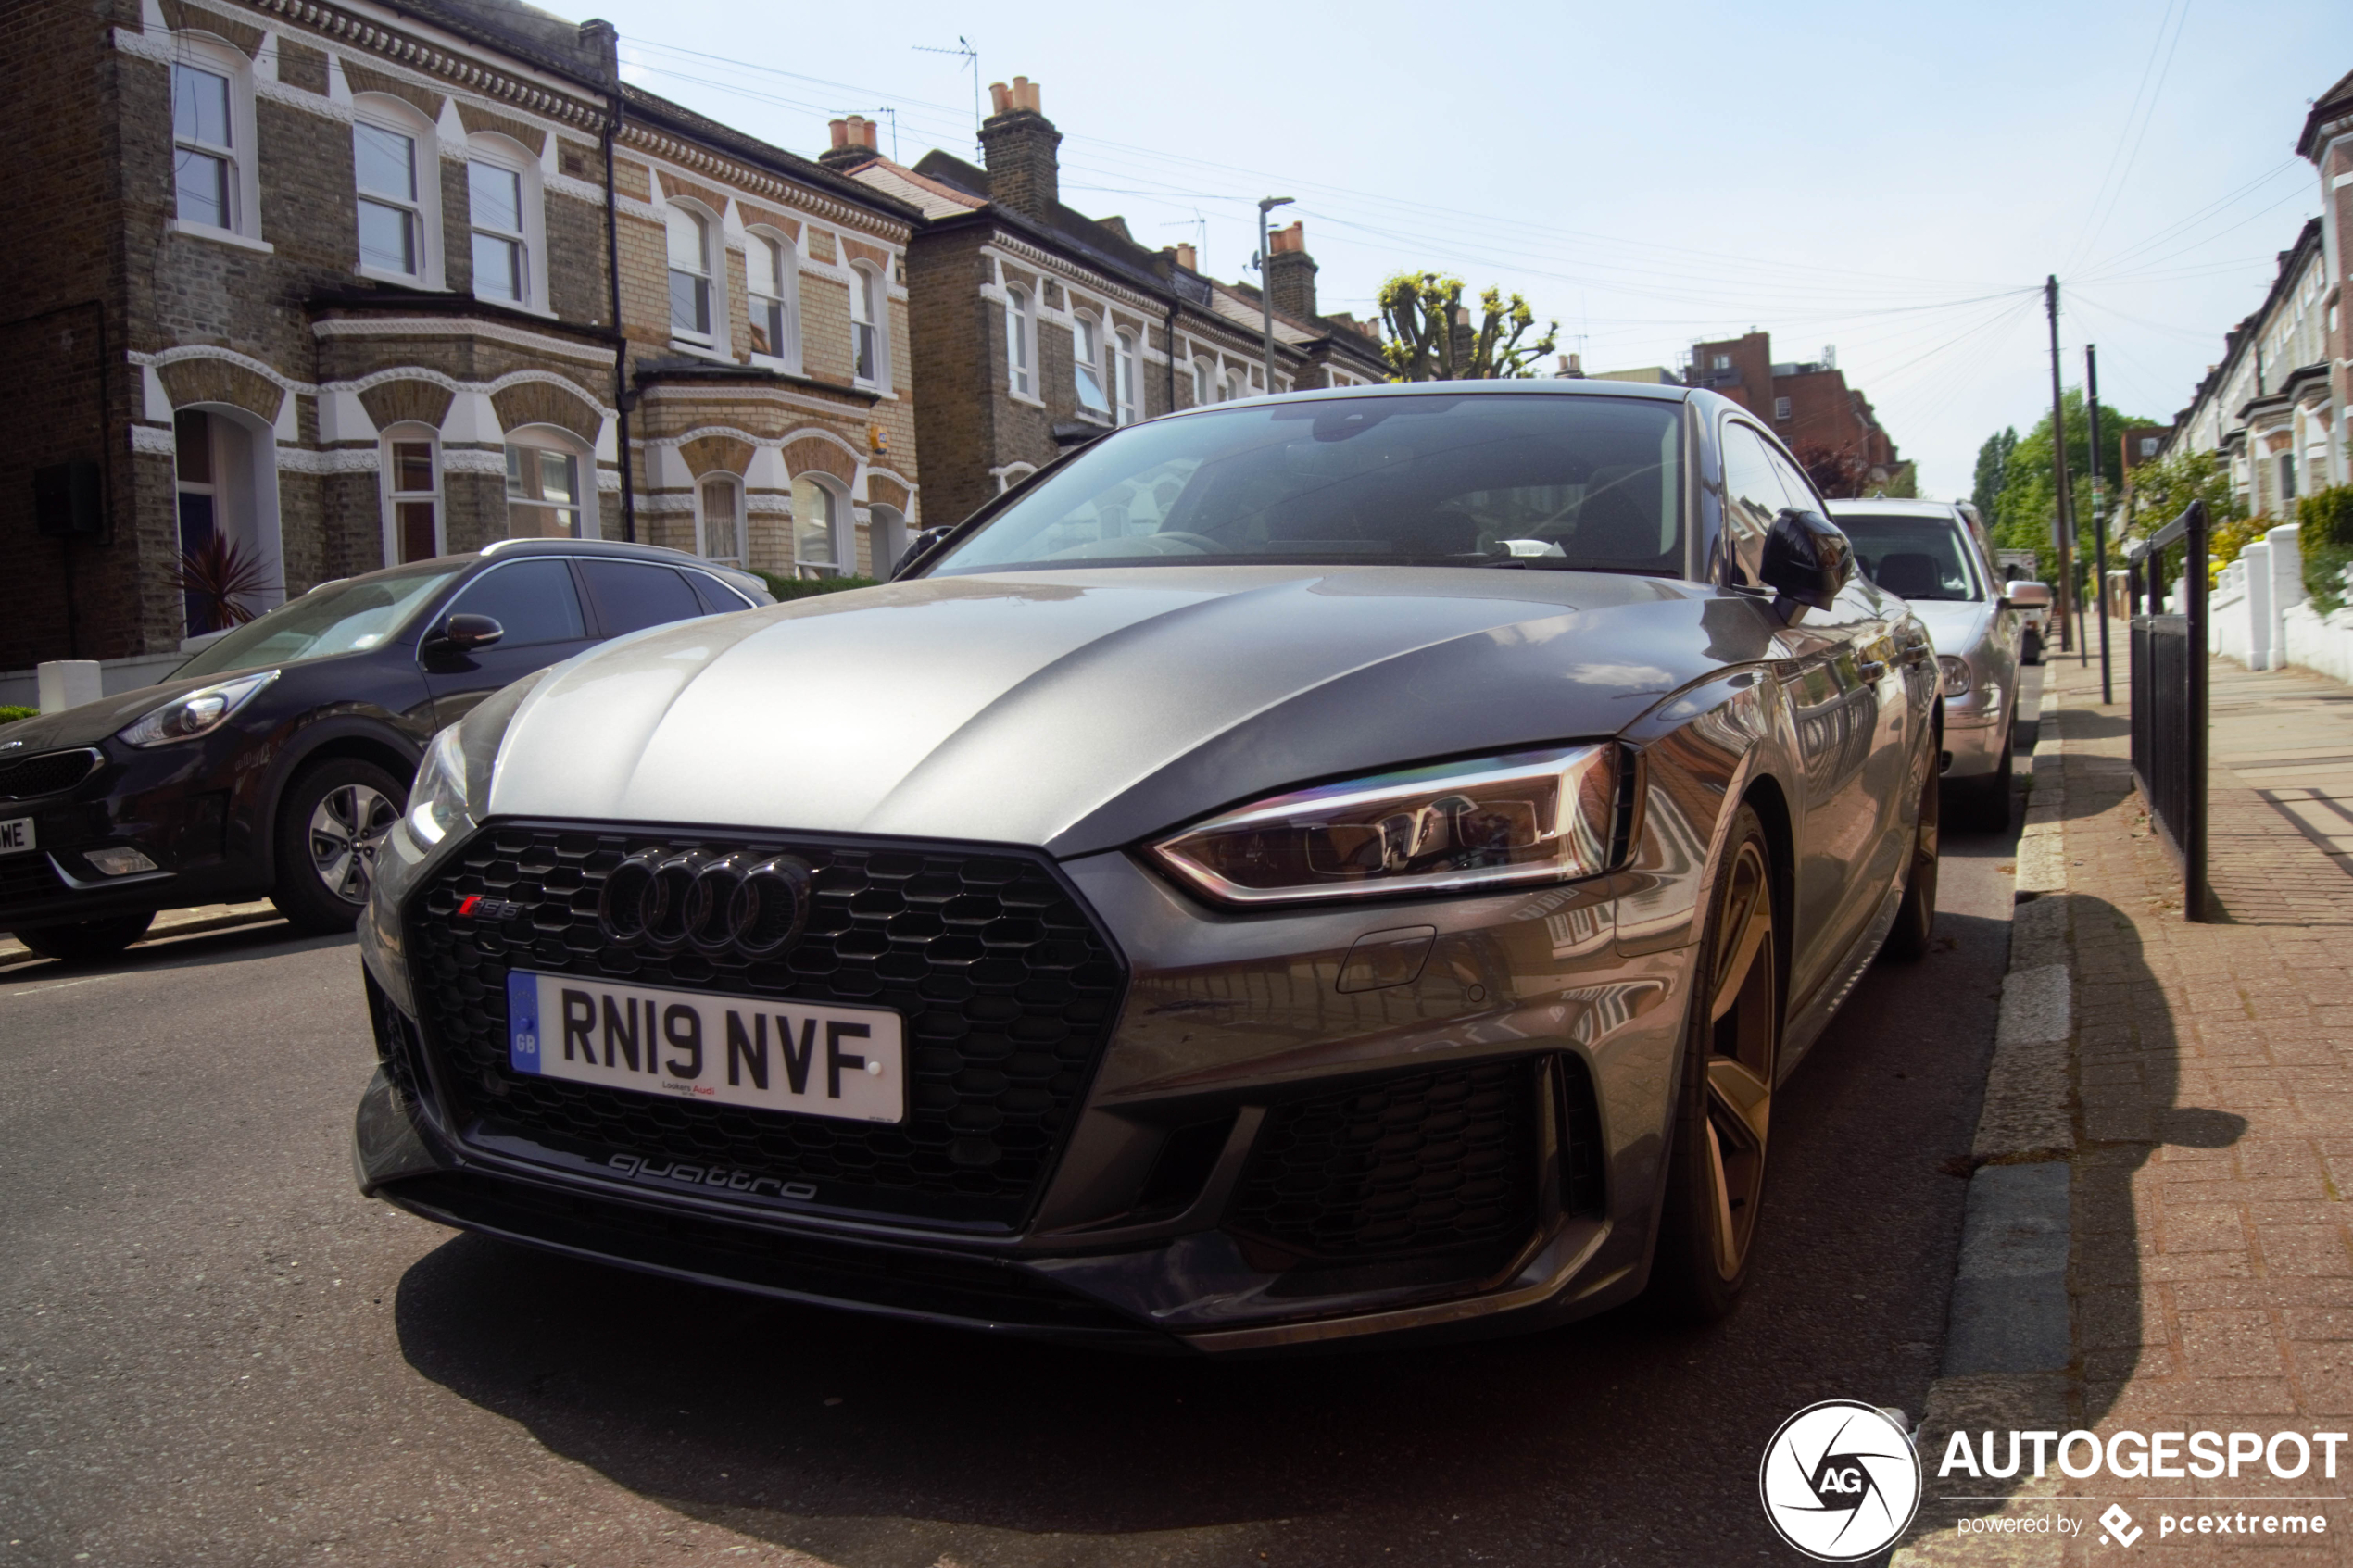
2211	1065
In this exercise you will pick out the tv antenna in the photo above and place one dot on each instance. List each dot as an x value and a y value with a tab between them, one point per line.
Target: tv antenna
971	57
1199	226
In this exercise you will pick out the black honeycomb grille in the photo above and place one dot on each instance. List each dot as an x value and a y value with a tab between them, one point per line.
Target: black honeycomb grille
21	778
1425	1162
1008	991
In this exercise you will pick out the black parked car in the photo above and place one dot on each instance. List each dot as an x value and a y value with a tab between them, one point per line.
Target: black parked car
275	761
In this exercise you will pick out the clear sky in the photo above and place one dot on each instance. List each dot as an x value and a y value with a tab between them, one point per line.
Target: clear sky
1892	179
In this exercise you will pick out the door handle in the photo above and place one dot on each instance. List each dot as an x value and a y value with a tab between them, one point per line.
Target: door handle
1871	670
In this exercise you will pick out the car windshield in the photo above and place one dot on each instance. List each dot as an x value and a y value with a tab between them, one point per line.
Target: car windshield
1536	478
345	616
1914	557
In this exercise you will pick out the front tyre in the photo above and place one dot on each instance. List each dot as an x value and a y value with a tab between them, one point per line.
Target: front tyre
85	941
1916	918
331	825
1716	1167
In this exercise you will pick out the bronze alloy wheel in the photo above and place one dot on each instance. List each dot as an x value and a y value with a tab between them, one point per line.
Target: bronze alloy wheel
1742	1034
1716	1177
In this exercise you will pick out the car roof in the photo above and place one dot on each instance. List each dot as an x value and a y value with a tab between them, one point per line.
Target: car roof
519	550
1581	387
1890	505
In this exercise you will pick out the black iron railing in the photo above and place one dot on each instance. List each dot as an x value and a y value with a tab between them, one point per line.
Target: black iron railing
2169	698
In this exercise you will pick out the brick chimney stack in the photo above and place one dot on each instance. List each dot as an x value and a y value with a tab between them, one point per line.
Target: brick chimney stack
1018	144
853	143
1187	258
1290	272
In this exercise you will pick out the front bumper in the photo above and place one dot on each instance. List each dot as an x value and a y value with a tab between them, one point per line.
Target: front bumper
1976	735
1188	1201
163	803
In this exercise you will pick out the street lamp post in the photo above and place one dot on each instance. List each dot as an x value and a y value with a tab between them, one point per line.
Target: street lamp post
1266	281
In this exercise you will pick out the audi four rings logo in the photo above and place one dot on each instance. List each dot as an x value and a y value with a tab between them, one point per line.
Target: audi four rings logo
744	903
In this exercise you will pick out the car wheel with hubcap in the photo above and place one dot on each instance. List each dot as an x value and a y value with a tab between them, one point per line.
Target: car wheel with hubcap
331	825
85	941
1716	1168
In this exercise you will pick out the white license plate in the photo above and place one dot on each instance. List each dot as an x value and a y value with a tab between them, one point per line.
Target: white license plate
813	1061
15	834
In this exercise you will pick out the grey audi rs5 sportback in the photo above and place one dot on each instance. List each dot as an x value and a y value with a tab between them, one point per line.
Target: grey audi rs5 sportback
1352	863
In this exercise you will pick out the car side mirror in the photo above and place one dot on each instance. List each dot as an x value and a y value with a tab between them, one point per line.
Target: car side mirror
2027	596
463	634
922	541
1807	561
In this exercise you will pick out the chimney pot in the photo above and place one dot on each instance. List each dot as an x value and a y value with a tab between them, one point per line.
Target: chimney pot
1019	145
1000	98
1290	272
1186	257
840	128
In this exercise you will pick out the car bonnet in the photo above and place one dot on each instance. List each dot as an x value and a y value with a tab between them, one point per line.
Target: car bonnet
1078	710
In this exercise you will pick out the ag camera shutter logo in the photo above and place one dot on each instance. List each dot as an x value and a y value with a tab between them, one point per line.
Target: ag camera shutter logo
1840	1481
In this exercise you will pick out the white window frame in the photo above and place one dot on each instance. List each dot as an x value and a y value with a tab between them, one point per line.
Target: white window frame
841	526
586	520
869	289
714	250
1123	376
392	498
733	486
504	152
1781	407
1204	381
1087	364
384	112
1020	341
785	353
219	57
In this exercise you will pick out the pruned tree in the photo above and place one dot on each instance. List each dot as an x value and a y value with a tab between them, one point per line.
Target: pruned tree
1430	335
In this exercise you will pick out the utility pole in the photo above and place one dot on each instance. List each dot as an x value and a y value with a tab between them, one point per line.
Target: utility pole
2063	523
1266	282
2099	513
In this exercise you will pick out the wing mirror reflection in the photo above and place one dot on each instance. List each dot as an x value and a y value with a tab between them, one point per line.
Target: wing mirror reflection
464	633
2027	596
1807	561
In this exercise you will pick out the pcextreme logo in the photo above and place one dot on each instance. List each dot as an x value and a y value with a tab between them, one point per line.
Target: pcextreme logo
1840	1481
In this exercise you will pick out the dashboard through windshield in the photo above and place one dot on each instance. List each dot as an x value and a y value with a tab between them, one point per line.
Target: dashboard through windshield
1538	479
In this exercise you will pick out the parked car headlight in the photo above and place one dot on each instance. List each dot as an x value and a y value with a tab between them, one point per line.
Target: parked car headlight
1529	817
193	713
437	800
1957	680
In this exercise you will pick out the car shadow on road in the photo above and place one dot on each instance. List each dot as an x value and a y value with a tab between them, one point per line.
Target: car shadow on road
1622	1439
200	951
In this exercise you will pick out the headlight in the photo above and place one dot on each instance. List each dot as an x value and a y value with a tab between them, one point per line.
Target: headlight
437	800
1531	817
1956	675
193	713
453	782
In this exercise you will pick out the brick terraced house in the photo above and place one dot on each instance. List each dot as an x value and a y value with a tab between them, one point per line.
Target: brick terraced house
1038	328
1809	403
333	283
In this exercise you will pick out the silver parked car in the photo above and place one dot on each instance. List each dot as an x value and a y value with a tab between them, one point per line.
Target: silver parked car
1935	555
1352	863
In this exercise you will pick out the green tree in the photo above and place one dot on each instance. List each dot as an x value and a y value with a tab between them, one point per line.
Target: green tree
2028	501
1431	337
1992	466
